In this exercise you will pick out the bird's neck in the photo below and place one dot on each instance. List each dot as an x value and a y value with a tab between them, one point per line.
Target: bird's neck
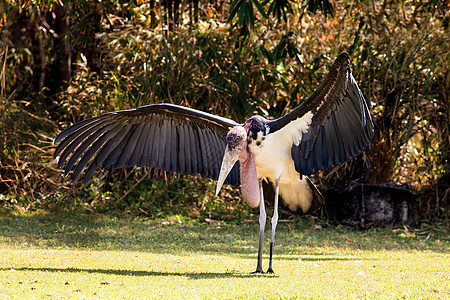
249	178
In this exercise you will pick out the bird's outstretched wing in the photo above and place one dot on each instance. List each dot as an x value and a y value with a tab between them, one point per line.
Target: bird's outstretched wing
339	122
169	137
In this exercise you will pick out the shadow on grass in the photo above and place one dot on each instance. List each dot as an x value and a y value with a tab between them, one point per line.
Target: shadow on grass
330	257
191	275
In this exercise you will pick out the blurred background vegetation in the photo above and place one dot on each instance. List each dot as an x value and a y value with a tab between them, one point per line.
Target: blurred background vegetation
65	61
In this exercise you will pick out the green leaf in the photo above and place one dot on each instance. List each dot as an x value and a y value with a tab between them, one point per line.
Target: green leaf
235	7
323	5
241	15
267	54
250	16
260	8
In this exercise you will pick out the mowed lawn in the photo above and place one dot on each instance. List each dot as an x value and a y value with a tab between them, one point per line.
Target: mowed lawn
60	255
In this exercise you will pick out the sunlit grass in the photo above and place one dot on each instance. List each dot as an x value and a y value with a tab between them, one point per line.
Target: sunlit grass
81	256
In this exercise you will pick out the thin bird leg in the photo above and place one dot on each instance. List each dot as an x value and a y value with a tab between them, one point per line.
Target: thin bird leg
274	223
262	225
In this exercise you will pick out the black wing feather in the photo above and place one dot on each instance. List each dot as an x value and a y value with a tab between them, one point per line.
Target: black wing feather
104	151
174	152
170	137
99	137
193	143
162	145
215	152
127	151
69	144
135	159
152	146
75	127
198	152
341	126
206	152
185	152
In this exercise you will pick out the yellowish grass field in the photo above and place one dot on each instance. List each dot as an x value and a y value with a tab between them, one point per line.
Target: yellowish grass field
63	256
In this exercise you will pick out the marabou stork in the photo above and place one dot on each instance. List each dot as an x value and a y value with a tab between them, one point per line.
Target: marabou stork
332	126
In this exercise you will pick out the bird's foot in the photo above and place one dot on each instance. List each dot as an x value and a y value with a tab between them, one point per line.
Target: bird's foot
270	271
258	271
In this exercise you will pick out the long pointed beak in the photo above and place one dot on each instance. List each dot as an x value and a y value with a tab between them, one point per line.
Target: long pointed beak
229	159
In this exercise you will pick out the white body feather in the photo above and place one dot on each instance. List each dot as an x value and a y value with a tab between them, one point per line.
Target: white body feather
295	192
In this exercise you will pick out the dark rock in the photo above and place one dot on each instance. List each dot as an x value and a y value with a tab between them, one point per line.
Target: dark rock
365	204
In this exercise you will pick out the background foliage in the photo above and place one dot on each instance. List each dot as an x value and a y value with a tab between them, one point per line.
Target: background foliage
64	61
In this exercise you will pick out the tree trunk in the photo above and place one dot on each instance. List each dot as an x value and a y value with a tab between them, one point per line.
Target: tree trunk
62	47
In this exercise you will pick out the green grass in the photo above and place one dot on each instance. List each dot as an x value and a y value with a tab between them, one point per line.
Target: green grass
46	255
